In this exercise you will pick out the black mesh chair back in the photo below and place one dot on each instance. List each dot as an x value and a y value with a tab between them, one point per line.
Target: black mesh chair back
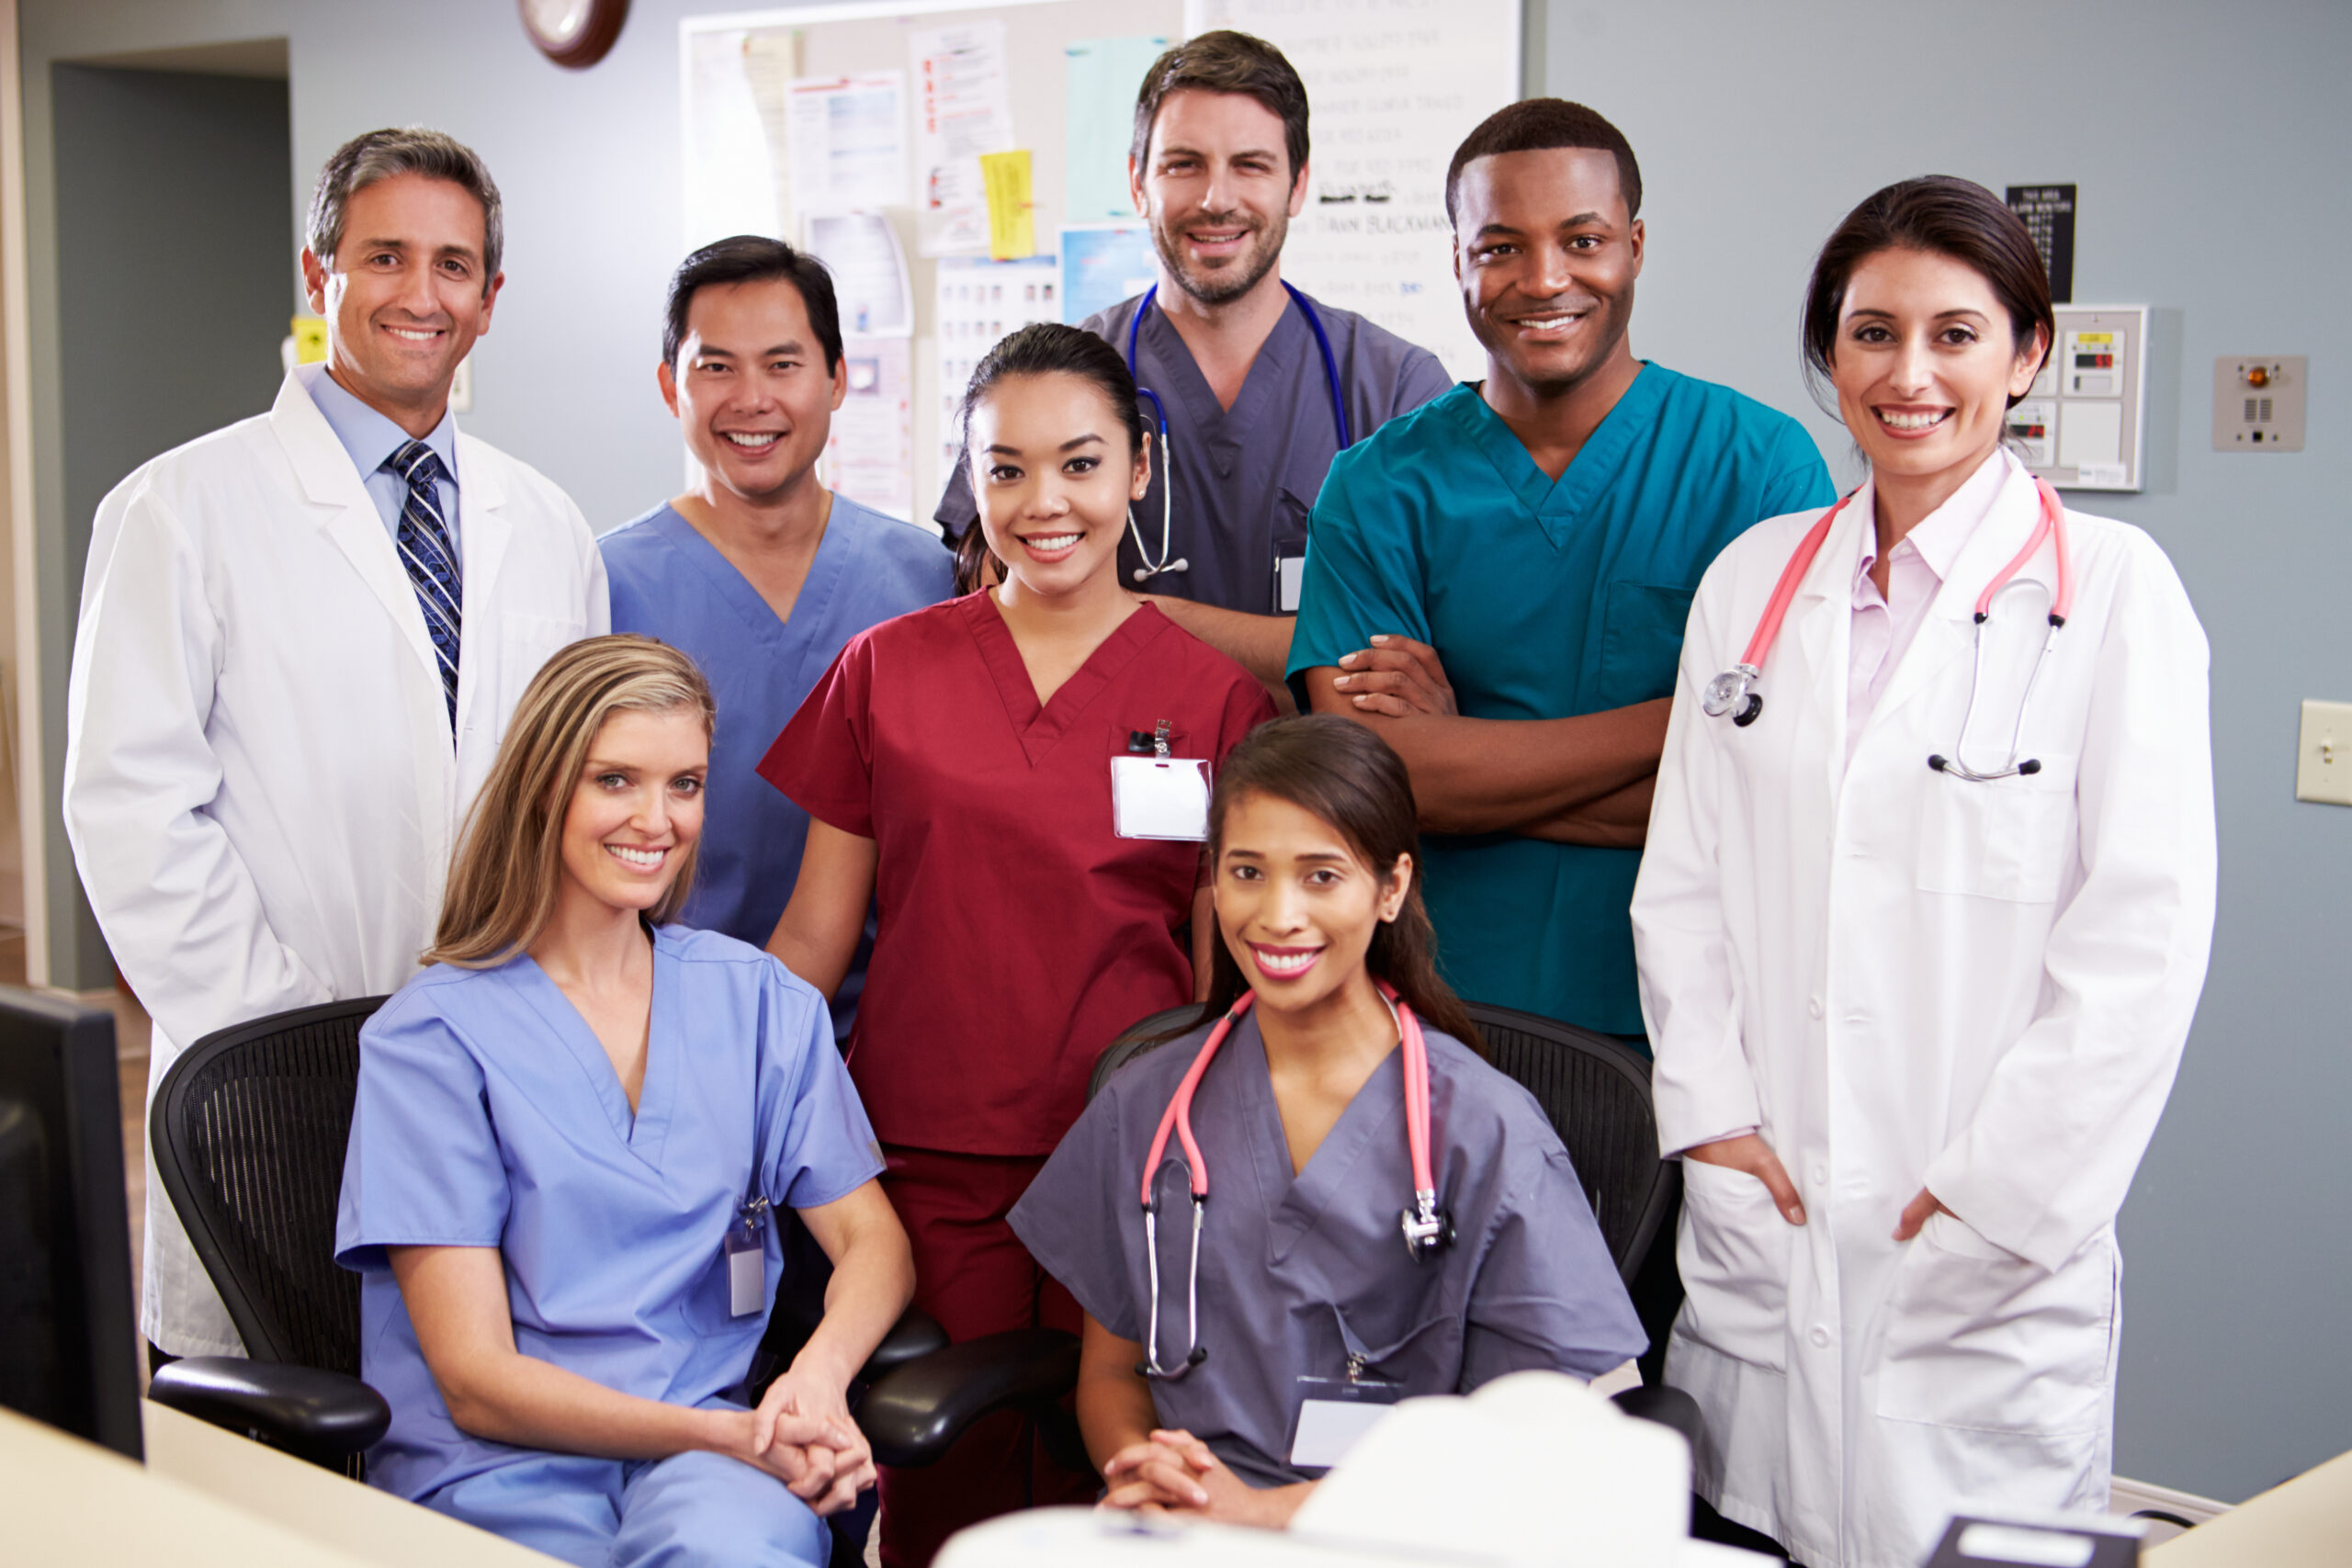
1145	1034
1596	1093
250	1126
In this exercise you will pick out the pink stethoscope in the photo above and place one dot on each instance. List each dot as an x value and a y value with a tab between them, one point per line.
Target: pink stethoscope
1426	1229
1733	692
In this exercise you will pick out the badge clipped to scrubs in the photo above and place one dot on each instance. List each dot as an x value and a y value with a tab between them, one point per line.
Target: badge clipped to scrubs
1289	577
1335	1413
1158	795
747	1259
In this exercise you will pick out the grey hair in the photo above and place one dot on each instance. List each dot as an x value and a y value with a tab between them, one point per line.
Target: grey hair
409	150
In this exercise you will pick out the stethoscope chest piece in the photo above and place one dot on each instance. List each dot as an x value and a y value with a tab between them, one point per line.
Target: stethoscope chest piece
1733	692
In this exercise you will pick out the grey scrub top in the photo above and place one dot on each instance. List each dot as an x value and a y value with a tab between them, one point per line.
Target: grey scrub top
1299	1273
1247	477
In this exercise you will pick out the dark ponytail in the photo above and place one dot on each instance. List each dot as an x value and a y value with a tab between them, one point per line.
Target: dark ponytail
1049	348
1345	775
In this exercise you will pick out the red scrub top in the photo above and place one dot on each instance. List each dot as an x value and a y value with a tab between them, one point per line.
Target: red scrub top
1017	934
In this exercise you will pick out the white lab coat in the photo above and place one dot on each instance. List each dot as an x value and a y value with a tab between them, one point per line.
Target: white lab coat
1906	979
260	783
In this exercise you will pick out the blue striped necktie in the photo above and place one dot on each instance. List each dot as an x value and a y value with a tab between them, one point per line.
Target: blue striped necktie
431	559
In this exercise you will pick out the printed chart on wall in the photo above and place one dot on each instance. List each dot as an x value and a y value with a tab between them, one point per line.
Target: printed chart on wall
1394	87
962	170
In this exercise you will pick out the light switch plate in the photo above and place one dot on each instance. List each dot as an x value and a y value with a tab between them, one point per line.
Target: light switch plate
2258	400
2323	756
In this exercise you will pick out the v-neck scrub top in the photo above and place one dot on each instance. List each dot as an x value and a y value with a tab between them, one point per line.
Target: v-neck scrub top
1545	599
1300	1272
1018	934
488	1115
1246	476
669	582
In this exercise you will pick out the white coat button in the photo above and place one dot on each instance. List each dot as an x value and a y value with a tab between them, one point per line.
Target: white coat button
1820	1173
1812	1007
1820	1337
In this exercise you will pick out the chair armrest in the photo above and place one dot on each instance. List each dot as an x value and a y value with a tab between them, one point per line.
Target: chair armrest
1667	1407
916	1335
914	1414
322	1416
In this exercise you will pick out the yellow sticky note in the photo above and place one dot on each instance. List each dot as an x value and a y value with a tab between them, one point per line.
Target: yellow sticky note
1013	217
309	340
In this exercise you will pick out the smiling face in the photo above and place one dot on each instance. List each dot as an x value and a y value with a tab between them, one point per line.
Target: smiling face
1924	364
636	808
750	388
1054	476
1296	906
1546	256
404	296
1218	192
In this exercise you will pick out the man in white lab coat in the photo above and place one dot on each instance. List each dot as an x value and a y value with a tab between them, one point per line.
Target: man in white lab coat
300	640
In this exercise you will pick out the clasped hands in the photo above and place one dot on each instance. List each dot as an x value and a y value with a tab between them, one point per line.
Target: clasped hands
1750	1153
803	1435
1174	1471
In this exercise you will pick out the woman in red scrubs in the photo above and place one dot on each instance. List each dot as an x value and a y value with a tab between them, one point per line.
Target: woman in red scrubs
957	764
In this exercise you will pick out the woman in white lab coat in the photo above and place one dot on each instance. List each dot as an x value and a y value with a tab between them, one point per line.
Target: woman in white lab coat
1918	974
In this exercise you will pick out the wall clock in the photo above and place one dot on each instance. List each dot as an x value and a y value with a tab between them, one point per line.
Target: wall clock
574	33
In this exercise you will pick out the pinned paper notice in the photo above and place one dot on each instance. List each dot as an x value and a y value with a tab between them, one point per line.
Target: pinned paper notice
1013	215
309	340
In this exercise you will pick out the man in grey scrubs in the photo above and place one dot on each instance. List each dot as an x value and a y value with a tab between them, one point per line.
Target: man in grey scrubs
1260	386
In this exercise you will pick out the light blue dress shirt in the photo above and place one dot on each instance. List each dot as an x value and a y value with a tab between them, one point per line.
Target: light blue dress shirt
370	438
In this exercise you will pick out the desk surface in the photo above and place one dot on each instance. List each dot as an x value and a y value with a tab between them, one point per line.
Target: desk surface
210	1499
2307	1523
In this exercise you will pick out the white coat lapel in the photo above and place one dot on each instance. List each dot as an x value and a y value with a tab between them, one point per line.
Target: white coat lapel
484	531
1949	631
329	481
1824	623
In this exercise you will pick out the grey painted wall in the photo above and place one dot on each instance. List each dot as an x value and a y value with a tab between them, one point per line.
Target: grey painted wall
171	198
2208	146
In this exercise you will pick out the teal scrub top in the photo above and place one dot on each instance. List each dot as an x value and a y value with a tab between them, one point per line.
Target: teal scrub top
1544	600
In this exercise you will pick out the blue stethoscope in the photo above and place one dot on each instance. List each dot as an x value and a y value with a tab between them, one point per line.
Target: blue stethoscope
1151	569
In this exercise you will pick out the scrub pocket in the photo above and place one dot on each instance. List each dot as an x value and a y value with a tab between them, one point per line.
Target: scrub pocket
2010	838
1734	1251
1425	1359
1979	1337
1641	642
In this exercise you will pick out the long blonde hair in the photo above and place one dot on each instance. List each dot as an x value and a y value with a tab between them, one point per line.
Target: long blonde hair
509	865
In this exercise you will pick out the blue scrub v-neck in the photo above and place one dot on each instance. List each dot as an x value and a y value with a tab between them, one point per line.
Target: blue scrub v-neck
1556	504
644	1130
787	638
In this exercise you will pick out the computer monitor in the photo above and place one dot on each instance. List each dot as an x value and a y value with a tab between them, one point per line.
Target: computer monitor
68	1341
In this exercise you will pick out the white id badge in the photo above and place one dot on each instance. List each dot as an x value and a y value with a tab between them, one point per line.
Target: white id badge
746	1253
1159	798
1333	1415
1290	572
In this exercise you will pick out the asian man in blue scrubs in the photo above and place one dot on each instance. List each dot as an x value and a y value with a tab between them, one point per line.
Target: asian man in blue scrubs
760	572
1527	548
1260	384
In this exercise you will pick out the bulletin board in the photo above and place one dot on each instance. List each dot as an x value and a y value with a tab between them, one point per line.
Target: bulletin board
850	128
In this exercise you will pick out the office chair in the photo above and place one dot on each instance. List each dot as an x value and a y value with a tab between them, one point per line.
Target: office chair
250	1126
1596	1091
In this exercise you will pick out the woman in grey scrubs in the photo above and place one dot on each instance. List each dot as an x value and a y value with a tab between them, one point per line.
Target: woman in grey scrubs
1230	1387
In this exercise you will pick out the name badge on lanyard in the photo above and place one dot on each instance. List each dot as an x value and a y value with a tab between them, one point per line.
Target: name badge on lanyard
747	1259
1335	1413
1159	796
